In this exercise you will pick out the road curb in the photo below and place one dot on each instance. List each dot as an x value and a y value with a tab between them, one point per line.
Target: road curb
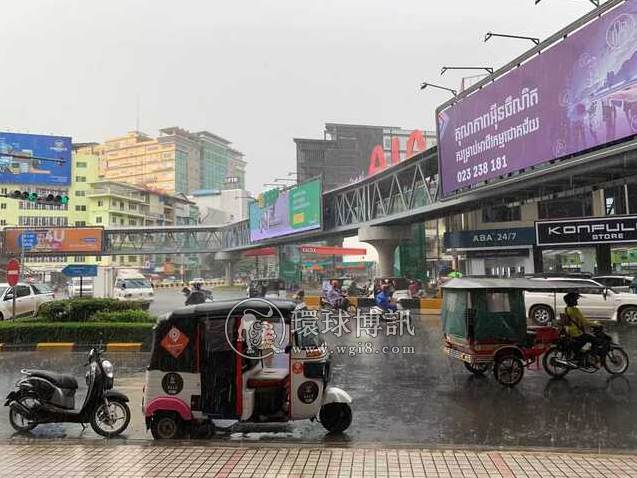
56	346
68	347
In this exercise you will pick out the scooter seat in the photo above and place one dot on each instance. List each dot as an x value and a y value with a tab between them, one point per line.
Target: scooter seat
269	377
58	379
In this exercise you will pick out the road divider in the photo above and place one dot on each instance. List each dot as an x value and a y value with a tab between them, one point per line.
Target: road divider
68	347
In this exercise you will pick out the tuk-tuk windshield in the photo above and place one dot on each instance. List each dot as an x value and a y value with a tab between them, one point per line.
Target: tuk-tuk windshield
309	338
454	312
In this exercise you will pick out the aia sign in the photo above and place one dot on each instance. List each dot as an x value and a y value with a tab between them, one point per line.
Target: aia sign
415	143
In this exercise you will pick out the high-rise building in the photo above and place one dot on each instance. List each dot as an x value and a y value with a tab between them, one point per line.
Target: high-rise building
177	161
347	150
221	207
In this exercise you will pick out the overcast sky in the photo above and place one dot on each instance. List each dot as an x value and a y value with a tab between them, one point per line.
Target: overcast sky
255	72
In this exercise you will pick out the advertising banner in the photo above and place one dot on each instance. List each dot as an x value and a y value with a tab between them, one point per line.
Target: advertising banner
577	94
290	211
27	165
53	240
596	230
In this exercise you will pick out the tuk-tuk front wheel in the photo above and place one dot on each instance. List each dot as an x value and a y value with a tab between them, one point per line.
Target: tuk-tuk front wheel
167	426
336	417
508	370
477	368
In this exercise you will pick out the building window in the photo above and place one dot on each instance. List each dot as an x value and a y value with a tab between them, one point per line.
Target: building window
80	164
132	207
3	205
98	258
501	214
80	193
121	222
100	203
80	208
98	219
80	259
132	222
615	200
574	206
3	222
4	191
80	179
132	258
80	223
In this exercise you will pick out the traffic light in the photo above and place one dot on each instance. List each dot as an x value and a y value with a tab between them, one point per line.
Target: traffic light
49	199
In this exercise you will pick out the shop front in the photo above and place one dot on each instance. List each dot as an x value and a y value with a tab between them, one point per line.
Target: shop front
598	245
493	252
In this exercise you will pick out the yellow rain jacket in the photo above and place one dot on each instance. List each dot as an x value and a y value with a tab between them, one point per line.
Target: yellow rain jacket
578	319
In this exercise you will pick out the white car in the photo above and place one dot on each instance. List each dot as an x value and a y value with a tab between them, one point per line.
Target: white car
29	297
618	283
596	302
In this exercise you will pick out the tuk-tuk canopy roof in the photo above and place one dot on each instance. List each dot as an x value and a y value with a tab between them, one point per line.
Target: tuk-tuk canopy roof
221	309
526	284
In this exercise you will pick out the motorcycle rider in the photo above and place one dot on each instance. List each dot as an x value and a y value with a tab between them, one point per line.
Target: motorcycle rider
577	323
197	295
383	299
334	295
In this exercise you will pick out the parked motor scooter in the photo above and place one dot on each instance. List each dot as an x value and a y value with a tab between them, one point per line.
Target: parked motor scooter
49	397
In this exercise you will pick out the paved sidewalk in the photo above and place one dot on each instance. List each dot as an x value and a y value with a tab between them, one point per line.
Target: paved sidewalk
72	461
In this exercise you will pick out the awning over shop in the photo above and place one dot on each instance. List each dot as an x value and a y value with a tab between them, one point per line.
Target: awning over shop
333	250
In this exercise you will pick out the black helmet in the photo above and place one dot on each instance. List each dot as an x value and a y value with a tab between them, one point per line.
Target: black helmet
571	298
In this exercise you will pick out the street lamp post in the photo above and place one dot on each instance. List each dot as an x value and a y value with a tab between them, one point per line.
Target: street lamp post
490	35
594	2
444	69
431	85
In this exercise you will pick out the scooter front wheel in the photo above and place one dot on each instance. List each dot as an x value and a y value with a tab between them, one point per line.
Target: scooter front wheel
111	421
19	422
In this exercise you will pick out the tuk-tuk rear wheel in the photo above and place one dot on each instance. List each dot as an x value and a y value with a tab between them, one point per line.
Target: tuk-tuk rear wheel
167	426
477	368
508	370
336	417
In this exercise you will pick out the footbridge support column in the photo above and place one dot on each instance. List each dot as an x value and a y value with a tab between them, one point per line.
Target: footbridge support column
230	260
385	239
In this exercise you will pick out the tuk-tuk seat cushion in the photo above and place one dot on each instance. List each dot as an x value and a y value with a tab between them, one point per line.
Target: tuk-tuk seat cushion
269	377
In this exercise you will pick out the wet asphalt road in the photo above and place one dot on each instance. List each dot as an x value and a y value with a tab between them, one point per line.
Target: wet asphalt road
422	398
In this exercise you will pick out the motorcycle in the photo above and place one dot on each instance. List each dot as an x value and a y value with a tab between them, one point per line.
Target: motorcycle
563	357
49	397
345	305
206	293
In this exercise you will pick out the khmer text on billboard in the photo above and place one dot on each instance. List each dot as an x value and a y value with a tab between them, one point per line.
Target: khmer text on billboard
578	94
35	159
293	210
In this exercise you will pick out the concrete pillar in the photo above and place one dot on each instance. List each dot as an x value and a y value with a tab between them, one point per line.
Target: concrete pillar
385	239
604	260
230	259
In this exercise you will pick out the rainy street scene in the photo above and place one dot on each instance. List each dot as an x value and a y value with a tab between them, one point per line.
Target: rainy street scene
318	239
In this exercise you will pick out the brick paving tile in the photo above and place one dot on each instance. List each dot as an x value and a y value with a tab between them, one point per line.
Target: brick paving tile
138	461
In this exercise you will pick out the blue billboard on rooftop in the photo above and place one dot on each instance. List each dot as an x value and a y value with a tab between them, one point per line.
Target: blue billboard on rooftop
35	159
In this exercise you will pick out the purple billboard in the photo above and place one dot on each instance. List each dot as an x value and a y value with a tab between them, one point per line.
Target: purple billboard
578	94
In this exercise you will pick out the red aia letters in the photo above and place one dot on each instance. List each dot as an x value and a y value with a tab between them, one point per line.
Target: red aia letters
377	161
